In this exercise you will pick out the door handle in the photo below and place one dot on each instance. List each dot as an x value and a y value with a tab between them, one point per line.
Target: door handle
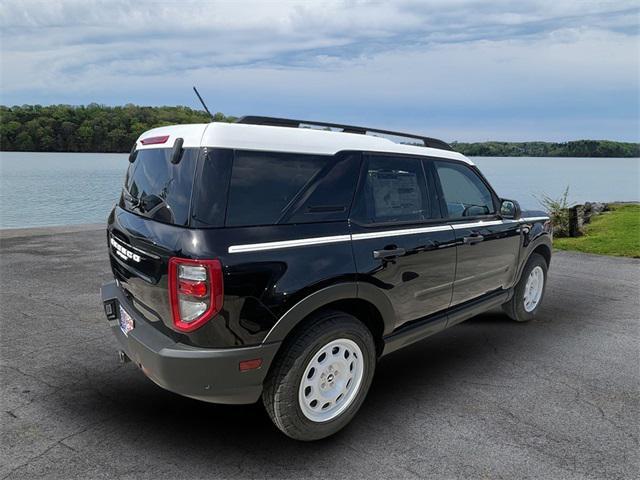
389	253
470	240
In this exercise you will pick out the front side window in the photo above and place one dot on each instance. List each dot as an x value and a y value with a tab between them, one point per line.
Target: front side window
393	190
465	193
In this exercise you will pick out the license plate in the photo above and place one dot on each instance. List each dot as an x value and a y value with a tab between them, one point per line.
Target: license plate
126	322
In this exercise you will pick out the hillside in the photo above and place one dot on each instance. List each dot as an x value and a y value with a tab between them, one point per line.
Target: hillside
99	128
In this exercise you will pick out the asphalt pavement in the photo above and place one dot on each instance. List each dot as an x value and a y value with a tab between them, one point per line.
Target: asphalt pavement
558	397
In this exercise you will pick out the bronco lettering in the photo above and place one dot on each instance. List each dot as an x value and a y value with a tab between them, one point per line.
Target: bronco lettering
124	253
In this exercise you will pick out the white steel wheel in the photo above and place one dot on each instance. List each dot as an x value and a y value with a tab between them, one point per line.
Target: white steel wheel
331	380
533	289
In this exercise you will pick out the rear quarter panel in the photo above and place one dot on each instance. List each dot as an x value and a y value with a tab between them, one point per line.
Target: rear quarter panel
262	284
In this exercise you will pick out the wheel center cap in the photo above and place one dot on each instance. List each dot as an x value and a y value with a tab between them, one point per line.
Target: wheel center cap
330	377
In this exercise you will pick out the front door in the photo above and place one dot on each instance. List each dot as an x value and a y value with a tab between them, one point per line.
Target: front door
401	244
487	245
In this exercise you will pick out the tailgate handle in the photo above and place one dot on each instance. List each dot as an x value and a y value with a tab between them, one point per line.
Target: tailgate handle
389	253
470	240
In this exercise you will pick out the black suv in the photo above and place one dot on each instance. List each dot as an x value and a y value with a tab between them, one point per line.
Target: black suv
281	259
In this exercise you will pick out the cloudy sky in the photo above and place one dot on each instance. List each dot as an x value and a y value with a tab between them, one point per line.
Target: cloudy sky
460	70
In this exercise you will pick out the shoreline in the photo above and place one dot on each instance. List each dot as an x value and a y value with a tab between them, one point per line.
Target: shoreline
6	233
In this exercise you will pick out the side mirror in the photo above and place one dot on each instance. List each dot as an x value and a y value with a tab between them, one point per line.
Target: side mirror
176	154
510	209
133	154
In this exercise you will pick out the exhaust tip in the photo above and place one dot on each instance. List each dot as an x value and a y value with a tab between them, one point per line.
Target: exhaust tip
122	357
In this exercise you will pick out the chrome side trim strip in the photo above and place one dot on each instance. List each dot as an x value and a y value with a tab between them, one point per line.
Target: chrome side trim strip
534	219
302	242
395	233
480	223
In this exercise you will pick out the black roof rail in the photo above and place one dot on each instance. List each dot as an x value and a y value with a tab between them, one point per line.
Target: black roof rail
288	122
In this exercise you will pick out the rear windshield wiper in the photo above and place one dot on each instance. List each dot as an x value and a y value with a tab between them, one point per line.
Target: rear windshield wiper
133	200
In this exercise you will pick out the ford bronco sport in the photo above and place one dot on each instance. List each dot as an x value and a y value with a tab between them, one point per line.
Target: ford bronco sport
280	259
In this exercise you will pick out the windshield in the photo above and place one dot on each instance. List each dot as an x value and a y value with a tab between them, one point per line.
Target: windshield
157	189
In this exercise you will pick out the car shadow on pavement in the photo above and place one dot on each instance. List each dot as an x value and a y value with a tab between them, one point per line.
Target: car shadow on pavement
132	403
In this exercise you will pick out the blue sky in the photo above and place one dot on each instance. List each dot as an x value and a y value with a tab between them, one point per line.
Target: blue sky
459	70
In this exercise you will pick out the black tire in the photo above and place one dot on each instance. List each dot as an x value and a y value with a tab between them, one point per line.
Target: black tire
281	390
515	308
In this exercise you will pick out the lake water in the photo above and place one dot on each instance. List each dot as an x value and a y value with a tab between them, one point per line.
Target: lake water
41	189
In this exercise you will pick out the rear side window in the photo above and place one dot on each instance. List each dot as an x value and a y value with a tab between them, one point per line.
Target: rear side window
158	189
268	188
393	190
211	184
465	193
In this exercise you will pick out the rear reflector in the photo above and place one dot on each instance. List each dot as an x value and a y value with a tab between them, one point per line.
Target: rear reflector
250	364
154	140
195	292
189	287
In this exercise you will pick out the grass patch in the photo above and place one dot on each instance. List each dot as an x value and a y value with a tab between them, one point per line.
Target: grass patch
611	233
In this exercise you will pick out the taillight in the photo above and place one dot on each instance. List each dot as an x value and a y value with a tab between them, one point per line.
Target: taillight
195	291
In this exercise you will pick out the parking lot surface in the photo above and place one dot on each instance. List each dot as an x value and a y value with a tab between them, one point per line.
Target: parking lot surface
555	398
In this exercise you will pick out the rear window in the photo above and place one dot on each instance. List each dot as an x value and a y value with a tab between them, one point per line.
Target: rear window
157	189
268	188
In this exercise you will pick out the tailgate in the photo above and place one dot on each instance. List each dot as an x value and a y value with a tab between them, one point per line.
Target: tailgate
139	252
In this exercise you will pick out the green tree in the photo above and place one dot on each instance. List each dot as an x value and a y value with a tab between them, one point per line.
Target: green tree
90	128
99	128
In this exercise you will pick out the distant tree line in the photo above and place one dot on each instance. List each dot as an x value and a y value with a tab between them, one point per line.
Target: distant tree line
578	148
90	128
99	128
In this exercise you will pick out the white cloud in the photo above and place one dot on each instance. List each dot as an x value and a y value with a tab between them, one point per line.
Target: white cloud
352	60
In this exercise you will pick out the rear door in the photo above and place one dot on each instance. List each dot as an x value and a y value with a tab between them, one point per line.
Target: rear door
401	244
487	246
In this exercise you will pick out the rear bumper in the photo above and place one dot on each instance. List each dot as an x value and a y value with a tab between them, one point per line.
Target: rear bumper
211	375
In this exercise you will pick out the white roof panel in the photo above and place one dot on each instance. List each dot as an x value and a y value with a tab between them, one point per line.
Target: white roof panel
285	139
